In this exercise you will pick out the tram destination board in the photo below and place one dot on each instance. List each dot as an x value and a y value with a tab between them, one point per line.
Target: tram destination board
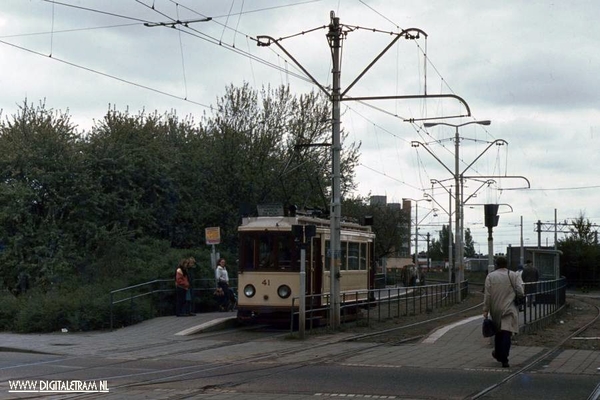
269	210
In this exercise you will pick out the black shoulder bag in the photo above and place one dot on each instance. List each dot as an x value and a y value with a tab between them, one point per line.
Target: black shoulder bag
519	300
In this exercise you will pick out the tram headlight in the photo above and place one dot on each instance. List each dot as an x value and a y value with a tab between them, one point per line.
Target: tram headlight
249	290
284	291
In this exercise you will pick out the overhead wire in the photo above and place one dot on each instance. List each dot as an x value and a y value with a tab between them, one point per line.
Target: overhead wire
106	75
182	55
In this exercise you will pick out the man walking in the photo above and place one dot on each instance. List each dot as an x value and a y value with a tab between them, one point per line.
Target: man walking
501	286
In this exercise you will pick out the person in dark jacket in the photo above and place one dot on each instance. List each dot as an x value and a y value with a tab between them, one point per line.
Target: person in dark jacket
530	275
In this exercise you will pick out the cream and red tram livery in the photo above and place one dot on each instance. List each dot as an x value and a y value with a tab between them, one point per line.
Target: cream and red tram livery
269	266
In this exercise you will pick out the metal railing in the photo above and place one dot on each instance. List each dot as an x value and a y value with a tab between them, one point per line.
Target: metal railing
202	289
380	304
544	299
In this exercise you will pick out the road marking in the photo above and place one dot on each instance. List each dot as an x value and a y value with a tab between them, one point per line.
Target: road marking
438	333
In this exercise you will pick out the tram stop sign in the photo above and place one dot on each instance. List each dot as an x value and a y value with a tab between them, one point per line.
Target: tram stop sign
213	235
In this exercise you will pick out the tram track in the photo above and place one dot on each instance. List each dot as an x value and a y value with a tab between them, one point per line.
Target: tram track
183	374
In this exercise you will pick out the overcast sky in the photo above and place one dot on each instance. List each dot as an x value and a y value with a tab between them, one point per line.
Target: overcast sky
529	67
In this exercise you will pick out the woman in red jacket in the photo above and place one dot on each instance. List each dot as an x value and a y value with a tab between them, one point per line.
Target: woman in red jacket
182	284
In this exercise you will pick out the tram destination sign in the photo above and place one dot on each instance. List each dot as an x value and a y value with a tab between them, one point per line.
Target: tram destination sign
269	210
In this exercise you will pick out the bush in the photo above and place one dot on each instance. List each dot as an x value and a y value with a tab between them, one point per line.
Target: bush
81	302
9	307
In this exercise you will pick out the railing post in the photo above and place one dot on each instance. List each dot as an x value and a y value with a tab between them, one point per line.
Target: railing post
111	311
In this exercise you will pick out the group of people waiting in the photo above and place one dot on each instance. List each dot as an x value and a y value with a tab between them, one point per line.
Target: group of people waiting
502	286
184	292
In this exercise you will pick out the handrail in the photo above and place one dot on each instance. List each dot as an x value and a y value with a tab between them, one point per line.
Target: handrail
393	302
205	285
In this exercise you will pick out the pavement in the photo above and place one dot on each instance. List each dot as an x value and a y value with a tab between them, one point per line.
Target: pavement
456	346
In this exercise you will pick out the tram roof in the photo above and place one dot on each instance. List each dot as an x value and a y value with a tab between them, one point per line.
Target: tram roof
285	223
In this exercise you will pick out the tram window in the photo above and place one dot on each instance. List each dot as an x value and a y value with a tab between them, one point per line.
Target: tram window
266	252
344	256
353	256
363	257
287	253
247	261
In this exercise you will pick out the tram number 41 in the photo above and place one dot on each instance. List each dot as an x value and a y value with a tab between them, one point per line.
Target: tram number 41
266	282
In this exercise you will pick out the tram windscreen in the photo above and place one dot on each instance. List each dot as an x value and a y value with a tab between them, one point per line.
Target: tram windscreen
269	251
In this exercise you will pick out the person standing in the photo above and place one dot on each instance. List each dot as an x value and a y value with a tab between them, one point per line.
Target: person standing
530	275
498	302
223	282
189	297
182	287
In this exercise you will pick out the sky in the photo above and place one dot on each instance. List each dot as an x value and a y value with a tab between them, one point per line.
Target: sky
528	67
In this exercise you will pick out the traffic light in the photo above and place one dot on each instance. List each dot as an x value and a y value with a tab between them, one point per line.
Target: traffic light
491	215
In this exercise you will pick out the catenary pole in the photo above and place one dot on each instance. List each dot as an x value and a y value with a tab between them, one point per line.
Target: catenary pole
334	37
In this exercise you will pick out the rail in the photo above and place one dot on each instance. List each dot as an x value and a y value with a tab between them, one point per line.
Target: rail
202	290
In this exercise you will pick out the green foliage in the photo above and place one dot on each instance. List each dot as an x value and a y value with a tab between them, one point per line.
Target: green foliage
9	307
580	253
390	223
123	203
469	245
439	248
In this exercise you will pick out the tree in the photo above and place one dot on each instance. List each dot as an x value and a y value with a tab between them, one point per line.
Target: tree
265	151
42	189
390	224
581	252
439	248
469	244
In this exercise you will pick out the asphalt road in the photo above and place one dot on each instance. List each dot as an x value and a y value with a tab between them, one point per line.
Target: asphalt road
174	377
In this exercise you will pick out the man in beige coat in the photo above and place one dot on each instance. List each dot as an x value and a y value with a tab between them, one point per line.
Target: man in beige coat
498	302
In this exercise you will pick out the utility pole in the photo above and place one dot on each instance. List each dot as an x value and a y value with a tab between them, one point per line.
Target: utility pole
522	254
335	35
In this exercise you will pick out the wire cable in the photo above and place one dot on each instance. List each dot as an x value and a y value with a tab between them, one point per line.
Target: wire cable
106	75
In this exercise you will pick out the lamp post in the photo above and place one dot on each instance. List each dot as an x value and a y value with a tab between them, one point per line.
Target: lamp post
416	228
458	205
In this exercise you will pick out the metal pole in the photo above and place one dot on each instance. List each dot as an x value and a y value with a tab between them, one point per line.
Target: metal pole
450	261
334	36
457	234
302	313
417	235
522	255
490	250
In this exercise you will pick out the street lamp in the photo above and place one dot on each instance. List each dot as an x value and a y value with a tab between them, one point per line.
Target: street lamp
416	227
457	183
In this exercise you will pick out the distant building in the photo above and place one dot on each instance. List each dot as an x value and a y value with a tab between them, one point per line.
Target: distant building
403	249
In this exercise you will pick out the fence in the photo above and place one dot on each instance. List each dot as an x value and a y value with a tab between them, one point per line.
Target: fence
544	299
162	298
379	304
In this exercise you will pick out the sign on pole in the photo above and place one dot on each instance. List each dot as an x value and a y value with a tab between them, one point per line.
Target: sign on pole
213	235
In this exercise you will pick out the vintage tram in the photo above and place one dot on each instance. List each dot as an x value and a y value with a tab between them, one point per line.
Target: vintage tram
270	264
